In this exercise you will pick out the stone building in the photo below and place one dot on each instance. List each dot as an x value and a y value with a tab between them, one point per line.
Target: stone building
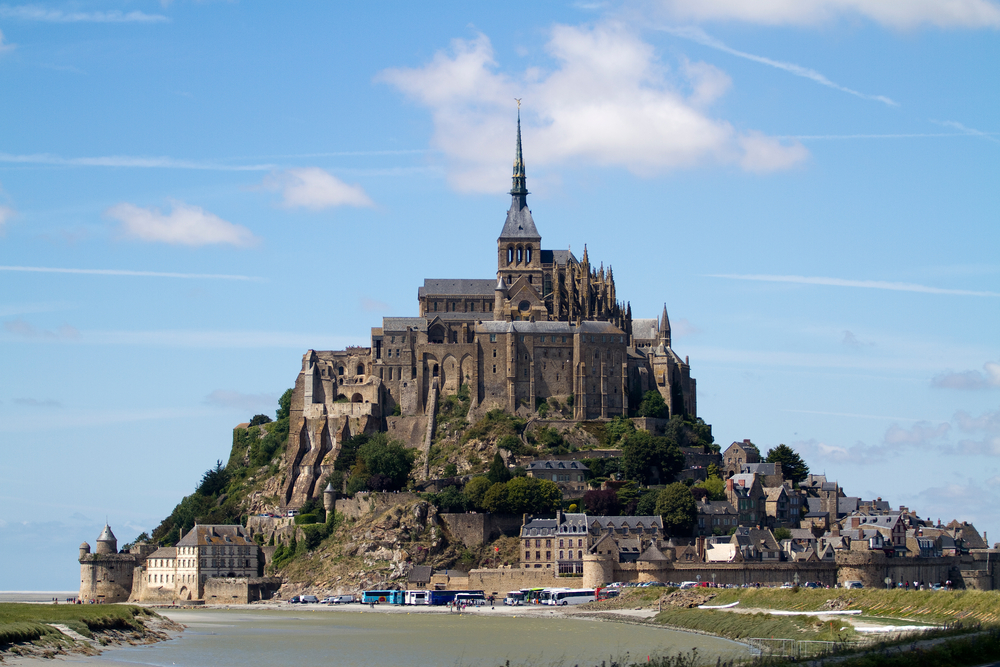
570	476
181	572
106	575
547	325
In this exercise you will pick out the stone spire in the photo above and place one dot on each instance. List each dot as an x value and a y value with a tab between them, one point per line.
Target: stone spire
519	185
665	327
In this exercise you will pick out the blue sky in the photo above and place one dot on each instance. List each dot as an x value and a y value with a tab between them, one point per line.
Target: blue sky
194	193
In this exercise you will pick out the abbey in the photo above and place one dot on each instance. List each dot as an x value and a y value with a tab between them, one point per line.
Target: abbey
547	326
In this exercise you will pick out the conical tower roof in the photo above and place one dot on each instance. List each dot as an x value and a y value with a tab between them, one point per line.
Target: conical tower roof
106	535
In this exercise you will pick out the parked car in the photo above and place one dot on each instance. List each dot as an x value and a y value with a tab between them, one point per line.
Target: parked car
296	599
292	513
343	599
310	599
853	584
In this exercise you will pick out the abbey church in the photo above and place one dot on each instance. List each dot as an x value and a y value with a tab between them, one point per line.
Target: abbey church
548	325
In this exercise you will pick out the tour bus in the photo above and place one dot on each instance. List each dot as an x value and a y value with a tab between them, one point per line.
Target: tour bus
567	596
532	595
382	597
445	597
417	597
470	597
514	599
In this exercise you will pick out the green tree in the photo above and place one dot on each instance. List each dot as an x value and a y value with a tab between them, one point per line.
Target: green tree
782	534
792	465
214	480
646	458
715	486
647	504
390	458
284	405
498	471
617	429
495	500
652	405
257	420
450	470
677	507
475	490
628	497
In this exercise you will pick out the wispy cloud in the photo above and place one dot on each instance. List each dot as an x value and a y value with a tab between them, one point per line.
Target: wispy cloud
126	272
6	214
989	378
842	282
316	189
37	403
899	14
36	13
373	306
253	403
699	36
4	46
129	161
181	338
184	225
25	329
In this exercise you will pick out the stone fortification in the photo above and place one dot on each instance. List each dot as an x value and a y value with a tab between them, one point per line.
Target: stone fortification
240	590
499	582
473	530
366	503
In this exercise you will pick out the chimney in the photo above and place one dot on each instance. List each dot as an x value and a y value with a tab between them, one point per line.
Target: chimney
559	517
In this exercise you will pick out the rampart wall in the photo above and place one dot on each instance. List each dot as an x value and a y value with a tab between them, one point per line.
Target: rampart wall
503	580
366	502
410	430
476	529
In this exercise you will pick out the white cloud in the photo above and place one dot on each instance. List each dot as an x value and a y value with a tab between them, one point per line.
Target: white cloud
900	14
842	282
137	162
316	189
921	434
36	13
4	47
253	403
697	35
609	101
184	225
6	214
37	403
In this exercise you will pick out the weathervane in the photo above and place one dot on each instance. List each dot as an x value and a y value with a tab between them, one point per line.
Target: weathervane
518	100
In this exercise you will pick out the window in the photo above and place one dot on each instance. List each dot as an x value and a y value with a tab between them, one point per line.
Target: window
560	555
548	543
493	339
525	372
560	546
541	339
494	353
548	555
390	354
494	368
527	256
527	555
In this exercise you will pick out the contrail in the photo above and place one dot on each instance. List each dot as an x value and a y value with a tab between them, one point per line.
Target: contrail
126	272
697	35
841	282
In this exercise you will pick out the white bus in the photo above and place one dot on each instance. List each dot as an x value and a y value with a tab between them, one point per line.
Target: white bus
567	596
417	597
514	599
475	599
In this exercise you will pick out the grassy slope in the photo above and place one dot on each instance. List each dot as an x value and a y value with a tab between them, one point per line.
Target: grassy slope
926	606
26	622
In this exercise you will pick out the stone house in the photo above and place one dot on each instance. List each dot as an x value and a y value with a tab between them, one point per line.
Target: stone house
745	493
715	517
569	476
756	544
737	455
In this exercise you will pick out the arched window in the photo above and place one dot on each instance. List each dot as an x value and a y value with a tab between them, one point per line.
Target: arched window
520	254
361	369
357	398
510	254
340	370
527	254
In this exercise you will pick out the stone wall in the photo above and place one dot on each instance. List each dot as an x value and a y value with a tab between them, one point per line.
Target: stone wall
240	590
476	529
411	430
872	567
106	577
501	581
366	502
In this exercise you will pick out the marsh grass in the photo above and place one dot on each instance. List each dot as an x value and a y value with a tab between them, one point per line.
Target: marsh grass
21	622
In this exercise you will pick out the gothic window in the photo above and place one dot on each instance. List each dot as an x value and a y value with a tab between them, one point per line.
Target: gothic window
527	257
520	254
524	307
361	369
340	370
510	254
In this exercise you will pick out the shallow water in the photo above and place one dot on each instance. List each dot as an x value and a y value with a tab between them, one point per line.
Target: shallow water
354	639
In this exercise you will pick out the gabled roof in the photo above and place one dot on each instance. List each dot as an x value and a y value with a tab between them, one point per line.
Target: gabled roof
565	328
421	574
645	329
222	535
652	554
774	492
539	527
457	287
760	468
167	553
716	507
617	522
390	324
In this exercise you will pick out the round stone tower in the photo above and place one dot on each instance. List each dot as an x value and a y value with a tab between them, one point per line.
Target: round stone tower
107	543
84	549
329	498
598	570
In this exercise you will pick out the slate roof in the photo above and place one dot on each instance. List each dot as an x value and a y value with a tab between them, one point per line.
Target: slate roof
716	507
400	323
457	287
631	521
556	465
216	534
774	492
652	554
539	527
562	257
760	468
567	328
645	329
519	224
421	574
106	535
847	505
167	553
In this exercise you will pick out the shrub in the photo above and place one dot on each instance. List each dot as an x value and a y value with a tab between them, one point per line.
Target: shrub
303	519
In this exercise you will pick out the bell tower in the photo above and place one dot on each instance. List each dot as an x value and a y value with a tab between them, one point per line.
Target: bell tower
519	248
